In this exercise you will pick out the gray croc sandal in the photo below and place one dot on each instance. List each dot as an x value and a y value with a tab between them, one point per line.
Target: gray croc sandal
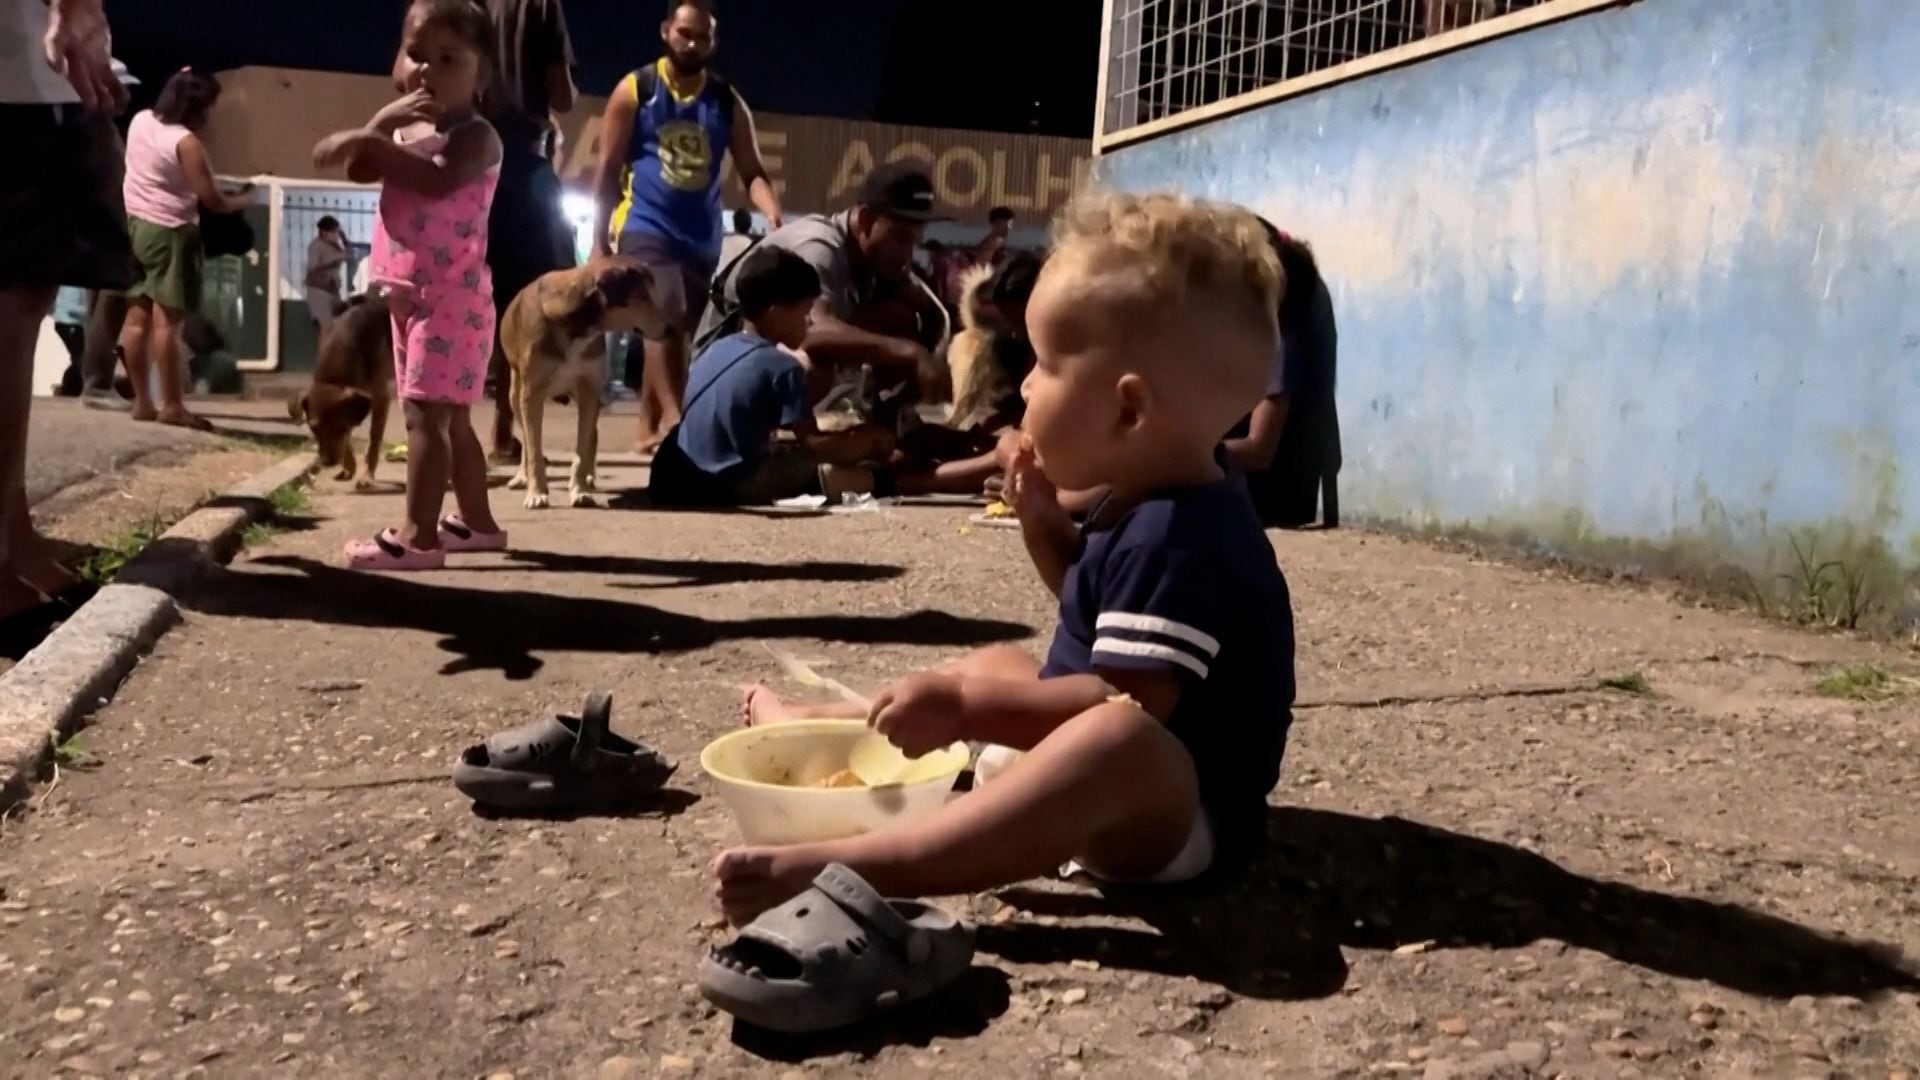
562	763
833	956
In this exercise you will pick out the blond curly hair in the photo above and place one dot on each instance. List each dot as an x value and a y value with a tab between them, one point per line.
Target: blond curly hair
1204	271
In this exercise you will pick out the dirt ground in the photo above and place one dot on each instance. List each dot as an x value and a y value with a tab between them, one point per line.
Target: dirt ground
1484	863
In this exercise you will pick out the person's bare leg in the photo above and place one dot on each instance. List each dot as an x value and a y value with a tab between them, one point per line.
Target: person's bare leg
133	349
100	361
968	476
996	662
429	463
163	343
663	382
469	468
647	434
21	312
1111	787
760	705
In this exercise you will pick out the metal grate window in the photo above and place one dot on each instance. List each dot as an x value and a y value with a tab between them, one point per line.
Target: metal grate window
1166	57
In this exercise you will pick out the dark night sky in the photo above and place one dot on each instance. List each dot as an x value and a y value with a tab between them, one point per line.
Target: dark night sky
999	65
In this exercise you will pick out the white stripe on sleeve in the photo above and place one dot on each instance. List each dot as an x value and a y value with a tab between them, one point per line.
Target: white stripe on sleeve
1149	650
1153	624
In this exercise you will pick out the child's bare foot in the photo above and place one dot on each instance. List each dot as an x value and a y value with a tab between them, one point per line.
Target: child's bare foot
750	881
760	706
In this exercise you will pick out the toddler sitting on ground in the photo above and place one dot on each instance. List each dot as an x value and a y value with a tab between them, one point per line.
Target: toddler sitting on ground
1154	731
746	388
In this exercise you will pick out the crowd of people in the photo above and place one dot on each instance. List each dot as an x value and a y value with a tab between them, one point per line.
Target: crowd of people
878	320
1150	328
1152	733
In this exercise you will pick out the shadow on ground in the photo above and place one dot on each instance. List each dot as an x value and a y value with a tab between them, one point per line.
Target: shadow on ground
662	805
692	573
1329	880
961	1011
489	630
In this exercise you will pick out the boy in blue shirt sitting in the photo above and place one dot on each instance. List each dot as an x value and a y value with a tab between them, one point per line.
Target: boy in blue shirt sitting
1154	731
746	388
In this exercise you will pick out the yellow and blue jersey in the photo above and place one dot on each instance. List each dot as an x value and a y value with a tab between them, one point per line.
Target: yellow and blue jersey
678	147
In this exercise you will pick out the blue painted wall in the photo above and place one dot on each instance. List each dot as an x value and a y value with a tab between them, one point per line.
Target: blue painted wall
1646	274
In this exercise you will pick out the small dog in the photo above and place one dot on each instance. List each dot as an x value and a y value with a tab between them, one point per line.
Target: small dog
555	340
977	380
990	356
354	380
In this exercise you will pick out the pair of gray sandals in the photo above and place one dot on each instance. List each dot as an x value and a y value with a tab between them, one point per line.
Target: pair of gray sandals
835	955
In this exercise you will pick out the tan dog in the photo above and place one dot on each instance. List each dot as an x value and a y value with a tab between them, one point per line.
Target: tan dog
978	381
354	380
555	340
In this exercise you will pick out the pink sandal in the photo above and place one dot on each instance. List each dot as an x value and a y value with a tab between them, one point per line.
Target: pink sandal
386	552
458	536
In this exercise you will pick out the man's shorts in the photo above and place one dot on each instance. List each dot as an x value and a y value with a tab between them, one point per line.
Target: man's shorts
680	287
62	221
785	473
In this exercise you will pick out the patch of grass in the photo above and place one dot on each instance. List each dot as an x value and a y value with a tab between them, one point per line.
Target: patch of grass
1831	591
117	551
1863	682
290	500
1631	683
272	444
259	534
68	754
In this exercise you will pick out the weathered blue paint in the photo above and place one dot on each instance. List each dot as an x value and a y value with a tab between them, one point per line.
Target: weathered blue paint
1651	270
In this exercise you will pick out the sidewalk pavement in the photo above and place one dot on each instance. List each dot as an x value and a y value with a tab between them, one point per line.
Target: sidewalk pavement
1485	862
67	443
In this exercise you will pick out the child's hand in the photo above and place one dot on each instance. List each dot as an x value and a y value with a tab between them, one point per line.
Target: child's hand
1027	489
920	714
337	149
416	107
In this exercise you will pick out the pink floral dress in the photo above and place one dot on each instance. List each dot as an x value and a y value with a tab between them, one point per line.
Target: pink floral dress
432	255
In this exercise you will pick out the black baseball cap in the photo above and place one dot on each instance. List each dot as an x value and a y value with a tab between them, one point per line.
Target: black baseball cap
773	276
901	191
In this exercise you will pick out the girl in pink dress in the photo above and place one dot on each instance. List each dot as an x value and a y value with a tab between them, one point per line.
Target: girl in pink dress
438	161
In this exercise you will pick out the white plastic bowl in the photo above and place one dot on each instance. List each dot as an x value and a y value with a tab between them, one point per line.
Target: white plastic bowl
765	776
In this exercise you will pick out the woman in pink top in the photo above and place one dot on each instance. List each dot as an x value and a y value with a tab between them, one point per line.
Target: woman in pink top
438	162
168	180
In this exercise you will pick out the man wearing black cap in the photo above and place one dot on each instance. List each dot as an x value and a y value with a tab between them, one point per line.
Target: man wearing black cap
864	257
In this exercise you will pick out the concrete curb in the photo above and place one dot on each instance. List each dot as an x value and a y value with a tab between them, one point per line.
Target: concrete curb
80	665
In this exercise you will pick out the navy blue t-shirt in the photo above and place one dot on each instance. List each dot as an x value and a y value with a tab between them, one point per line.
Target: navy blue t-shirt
740	390
1186	583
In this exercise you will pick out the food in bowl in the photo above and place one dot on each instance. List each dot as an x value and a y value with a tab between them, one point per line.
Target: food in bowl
776	779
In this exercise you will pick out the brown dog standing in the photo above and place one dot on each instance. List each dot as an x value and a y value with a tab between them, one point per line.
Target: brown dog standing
354	380
554	336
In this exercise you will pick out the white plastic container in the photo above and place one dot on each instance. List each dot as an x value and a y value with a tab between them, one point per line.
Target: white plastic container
765	775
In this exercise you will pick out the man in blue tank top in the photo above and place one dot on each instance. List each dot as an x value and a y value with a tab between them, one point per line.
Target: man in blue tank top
668	130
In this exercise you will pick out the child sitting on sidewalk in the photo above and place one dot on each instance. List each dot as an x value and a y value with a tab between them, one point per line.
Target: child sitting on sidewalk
1154	732
745	388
